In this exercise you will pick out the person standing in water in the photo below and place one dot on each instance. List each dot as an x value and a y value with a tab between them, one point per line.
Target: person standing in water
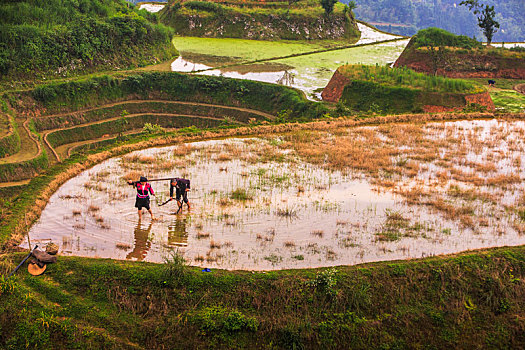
182	186
143	191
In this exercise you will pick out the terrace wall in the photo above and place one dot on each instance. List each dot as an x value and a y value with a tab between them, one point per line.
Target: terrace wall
362	95
465	64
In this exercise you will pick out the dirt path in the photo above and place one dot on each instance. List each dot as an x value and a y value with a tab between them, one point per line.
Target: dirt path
14	183
64	149
263	114
30	147
5	123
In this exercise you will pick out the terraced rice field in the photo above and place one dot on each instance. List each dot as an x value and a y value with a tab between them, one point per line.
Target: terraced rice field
306	199
308	72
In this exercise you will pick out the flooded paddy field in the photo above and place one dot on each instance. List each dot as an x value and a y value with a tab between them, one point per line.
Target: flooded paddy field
305	199
307	72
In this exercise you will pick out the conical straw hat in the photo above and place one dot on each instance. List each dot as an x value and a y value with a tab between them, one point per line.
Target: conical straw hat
36	270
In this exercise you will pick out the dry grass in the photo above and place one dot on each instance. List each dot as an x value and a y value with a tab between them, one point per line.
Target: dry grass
183	150
132	176
224	201
93	208
503	180
201	235
223	157
289	244
123	246
69	196
317	233
286	212
215	245
166	165
199	258
33	212
211	258
145	159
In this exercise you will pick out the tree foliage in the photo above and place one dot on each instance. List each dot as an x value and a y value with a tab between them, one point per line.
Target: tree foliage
61	36
328	6
438	37
407	17
486	17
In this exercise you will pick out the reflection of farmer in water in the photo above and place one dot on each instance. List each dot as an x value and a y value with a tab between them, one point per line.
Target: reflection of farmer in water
142	242
182	186
143	191
177	234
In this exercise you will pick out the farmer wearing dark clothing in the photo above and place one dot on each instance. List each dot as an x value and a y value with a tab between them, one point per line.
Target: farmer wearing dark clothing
143	191
182	186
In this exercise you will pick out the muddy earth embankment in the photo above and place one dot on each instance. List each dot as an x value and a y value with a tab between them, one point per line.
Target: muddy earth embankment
352	93
462	63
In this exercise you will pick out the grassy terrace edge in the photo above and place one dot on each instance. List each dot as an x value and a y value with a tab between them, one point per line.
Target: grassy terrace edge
468	300
472	299
34	196
10	144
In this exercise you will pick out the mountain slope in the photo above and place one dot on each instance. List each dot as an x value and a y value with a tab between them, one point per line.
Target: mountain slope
406	17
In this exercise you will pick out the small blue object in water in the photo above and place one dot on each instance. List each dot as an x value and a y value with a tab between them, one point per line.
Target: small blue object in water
206	270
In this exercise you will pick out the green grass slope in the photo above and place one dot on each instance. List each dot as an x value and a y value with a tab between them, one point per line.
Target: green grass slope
468	301
271	20
61	38
9	137
401	90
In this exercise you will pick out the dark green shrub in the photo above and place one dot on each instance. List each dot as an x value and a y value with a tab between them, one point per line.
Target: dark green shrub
219	319
440	37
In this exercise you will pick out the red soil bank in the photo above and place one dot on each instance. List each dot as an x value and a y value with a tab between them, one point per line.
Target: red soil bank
461	64
334	90
483	99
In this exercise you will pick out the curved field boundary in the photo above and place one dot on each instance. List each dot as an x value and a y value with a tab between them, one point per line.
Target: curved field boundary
72	147
41	189
299	54
246	113
248	110
213	106
82	134
27	168
11	173
10	143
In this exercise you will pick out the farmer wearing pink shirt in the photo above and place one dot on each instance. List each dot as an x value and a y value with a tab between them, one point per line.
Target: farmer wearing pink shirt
143	191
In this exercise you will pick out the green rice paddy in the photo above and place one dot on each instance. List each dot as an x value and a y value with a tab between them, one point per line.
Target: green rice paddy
508	100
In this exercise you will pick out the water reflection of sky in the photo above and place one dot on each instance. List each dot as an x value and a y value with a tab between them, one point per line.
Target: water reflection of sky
310	77
345	210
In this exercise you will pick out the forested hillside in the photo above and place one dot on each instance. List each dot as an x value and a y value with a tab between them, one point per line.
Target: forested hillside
61	37
446	14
